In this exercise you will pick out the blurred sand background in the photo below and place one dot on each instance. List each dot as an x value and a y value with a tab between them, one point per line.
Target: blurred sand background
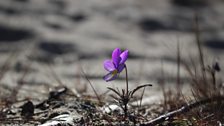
66	35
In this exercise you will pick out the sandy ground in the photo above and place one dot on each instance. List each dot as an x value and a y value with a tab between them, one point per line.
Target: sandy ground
64	36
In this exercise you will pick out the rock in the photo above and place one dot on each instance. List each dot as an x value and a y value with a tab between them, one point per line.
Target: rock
191	3
63	120
79	17
57	48
9	34
111	108
27	109
147	24
215	44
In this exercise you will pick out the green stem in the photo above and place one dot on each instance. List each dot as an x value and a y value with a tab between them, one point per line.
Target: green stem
126	95
125	110
126	70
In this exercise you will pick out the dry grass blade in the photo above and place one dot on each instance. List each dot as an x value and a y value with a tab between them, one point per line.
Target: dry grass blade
5	66
53	73
141	98
20	82
178	69
198	41
84	74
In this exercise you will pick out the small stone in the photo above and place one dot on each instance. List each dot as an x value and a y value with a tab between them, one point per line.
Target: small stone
111	108
27	109
216	67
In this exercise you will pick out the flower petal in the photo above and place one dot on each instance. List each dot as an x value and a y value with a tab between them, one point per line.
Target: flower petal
116	57
120	67
124	56
108	65
110	76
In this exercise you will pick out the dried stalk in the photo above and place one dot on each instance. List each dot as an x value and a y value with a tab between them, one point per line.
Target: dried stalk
182	110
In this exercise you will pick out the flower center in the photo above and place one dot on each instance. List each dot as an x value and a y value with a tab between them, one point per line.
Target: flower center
114	72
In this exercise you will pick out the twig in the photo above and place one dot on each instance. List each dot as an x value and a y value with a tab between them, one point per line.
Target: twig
182	110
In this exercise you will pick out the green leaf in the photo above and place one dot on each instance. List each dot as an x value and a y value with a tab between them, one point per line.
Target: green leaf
139	87
116	92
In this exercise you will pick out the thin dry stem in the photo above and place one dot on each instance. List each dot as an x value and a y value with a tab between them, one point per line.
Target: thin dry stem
5	66
198	41
55	76
94	90
182	110
178	69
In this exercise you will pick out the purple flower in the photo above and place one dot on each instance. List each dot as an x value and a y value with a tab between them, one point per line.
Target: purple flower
116	65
